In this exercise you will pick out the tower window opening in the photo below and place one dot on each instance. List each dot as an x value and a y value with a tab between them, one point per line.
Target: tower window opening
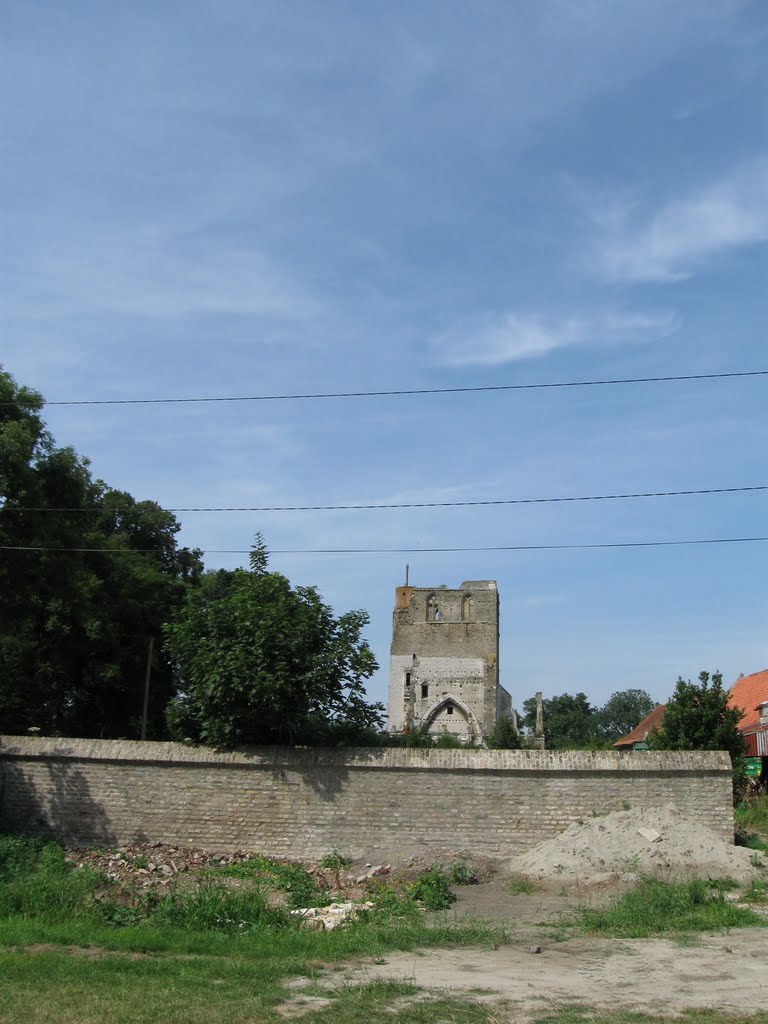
467	608
433	609
449	709
407	680
424	690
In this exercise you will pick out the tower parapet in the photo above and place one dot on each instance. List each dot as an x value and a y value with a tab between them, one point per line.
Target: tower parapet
444	660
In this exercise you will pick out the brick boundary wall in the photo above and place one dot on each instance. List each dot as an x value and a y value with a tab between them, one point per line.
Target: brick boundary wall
384	803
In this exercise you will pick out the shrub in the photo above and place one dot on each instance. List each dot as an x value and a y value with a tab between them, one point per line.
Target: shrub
461	874
432	889
504	735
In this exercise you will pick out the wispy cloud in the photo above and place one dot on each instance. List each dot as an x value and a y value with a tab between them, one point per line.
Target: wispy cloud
681	236
509	337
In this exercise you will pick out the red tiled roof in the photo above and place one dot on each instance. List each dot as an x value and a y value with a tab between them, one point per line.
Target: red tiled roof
747	693
640	733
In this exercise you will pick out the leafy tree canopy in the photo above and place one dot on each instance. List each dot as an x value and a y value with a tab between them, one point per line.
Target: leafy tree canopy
697	717
569	720
622	712
75	624
260	661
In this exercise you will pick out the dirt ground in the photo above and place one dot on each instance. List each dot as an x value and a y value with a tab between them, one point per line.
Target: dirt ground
727	971
658	976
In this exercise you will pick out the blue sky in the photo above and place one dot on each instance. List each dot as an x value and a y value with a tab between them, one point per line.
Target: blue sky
233	198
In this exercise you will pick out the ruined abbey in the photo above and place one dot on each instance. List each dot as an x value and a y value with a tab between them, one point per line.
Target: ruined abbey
444	661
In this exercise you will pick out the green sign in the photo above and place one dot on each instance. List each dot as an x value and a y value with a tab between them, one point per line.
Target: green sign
754	766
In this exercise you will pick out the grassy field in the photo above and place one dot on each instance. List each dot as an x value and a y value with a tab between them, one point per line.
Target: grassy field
74	947
79	949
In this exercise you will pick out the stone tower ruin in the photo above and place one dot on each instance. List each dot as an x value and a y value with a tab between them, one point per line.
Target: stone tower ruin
444	661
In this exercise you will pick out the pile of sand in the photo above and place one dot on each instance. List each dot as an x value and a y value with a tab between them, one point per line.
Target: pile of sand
612	847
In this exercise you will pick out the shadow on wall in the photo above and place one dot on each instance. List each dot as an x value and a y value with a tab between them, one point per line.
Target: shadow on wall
60	806
326	771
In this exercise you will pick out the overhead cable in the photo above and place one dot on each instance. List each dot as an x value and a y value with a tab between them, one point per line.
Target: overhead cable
405	391
408	550
389	505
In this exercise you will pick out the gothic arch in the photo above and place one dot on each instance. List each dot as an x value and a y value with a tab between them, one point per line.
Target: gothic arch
439	705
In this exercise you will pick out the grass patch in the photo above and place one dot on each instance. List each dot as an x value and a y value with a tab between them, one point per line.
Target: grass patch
756	892
292	879
52	987
752	814
752	840
583	1015
519	884
653	907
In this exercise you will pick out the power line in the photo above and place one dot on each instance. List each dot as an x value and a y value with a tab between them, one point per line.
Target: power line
394	505
411	550
406	391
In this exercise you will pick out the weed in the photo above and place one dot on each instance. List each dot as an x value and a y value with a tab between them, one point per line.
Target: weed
519	884
721	884
756	892
37	881
654	907
626	805
391	902
752	813
18	855
756	861
211	906
461	874
335	861
752	840
301	888
432	889
140	862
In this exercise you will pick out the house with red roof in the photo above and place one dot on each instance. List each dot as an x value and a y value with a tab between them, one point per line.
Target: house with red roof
750	694
638	738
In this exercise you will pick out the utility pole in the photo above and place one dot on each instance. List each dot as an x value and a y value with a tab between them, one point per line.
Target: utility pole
146	688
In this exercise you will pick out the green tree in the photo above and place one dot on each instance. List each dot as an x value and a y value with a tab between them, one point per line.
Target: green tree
622	712
260	661
76	616
569	720
697	717
504	735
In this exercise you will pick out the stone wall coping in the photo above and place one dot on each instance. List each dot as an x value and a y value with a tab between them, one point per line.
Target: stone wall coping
369	758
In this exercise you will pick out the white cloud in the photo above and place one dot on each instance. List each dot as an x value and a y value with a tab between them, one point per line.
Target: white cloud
682	235
509	337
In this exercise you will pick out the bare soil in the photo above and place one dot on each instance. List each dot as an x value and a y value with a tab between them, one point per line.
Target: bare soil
657	976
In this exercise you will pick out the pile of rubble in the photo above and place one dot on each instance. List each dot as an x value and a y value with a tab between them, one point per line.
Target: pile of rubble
330	917
148	865
620	846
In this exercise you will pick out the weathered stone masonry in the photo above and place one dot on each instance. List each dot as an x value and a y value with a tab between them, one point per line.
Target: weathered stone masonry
302	803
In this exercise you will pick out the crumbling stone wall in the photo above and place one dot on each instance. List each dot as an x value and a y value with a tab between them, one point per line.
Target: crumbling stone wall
388	803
